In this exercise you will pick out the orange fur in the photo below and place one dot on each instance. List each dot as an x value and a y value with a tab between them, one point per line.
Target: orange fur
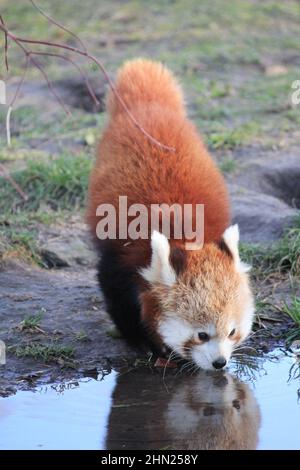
142	82
128	163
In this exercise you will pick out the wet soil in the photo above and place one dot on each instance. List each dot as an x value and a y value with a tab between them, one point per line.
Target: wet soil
73	315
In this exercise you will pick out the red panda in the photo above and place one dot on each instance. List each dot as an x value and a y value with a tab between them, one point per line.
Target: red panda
195	303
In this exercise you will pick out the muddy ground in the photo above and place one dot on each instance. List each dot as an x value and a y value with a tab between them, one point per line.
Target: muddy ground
52	316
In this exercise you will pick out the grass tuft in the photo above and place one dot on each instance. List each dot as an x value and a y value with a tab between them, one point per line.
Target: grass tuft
225	138
46	352
283	256
59	184
228	165
31	322
81	336
293	311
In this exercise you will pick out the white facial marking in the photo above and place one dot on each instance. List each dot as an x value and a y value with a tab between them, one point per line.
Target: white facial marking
205	354
160	269
175	332
210	329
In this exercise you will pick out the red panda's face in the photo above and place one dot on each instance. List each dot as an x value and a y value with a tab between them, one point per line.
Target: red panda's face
205	308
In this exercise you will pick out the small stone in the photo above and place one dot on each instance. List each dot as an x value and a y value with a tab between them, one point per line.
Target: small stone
114	333
67	252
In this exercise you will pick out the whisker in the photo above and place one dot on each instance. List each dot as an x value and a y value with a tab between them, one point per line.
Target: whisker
168	360
189	363
196	368
239	348
193	369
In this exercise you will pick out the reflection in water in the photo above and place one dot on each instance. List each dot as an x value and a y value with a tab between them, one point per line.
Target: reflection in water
202	411
143	410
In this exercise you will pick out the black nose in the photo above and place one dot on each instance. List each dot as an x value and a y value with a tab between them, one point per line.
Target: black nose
219	363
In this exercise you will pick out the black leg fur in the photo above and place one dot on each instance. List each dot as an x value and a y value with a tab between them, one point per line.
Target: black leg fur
121	297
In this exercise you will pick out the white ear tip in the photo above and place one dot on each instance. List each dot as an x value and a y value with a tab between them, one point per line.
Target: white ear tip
235	227
160	269
232	233
158	239
156	235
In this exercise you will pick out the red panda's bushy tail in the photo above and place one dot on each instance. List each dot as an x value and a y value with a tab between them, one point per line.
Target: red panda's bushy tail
143	81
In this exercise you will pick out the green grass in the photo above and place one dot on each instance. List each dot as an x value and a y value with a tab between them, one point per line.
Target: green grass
286	253
293	311
81	336
228	165
282	256
31	322
231	138
19	233
18	241
55	188
59	183
224	41
46	352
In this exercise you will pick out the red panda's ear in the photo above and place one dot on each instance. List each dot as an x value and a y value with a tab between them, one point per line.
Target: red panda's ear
231	239
160	269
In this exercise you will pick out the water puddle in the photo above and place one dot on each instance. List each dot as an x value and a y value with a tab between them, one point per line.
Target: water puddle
253	405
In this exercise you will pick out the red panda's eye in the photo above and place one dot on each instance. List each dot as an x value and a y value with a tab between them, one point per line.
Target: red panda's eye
232	332
203	336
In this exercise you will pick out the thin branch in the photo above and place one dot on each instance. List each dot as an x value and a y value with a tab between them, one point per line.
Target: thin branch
28	54
59	25
20	82
80	69
20	41
5	45
62	27
6	175
49	83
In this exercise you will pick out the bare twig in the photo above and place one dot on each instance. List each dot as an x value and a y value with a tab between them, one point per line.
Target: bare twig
49	83
20	82
80	69
59	25
3	171
6	175
5	45
21	41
